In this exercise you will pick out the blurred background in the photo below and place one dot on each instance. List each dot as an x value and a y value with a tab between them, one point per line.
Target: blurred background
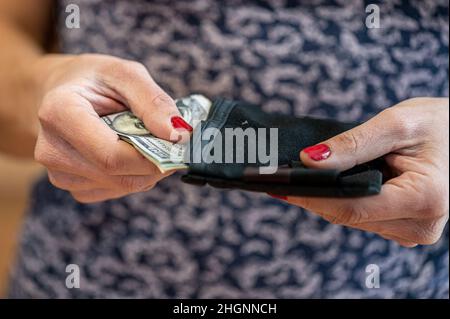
16	177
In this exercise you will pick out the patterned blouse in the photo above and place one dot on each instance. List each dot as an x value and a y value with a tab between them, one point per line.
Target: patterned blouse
311	57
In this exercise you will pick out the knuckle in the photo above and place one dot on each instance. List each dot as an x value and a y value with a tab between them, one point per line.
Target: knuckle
347	215
52	108
134	184
133	68
427	239
439	207
124	70
106	63
46	111
433	202
111	163
161	98
404	128
128	183
44	157
65	182
82	197
427	233
137	66
350	141
43	114
358	214
435	229
39	155
46	161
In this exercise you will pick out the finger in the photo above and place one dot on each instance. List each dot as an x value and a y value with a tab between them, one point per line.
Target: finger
66	164
423	232
400	241
145	98
97	195
384	133
74	120
377	228
368	227
126	184
54	153
70	182
393	202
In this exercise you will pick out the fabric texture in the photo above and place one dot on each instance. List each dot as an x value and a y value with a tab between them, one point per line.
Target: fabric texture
300	58
224	170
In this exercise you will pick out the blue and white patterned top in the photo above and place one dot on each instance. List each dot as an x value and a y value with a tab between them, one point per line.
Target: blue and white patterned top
312	57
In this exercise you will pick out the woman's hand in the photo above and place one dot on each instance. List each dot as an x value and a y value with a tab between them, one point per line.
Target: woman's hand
81	153
412	207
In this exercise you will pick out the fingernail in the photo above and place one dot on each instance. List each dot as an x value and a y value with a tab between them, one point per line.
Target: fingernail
179	123
318	152
278	196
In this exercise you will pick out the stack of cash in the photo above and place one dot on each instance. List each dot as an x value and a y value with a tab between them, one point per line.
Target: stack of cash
165	155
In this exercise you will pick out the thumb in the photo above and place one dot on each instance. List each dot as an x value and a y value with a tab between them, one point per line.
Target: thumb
361	144
147	100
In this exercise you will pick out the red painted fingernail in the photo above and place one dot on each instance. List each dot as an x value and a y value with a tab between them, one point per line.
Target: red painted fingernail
318	152
179	123
278	196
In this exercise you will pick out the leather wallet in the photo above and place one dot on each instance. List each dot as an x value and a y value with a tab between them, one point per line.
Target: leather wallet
291	178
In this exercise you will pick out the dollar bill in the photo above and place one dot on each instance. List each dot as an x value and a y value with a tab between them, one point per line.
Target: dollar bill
165	155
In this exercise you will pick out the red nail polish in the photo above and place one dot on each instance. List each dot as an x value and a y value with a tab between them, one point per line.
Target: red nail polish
318	152
278	196
179	123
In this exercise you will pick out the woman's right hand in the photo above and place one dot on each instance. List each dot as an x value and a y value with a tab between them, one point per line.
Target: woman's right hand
82	155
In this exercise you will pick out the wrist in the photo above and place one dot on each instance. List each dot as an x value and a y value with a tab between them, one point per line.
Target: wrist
44	73
28	85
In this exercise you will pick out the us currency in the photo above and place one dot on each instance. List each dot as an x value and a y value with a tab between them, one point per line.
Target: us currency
164	154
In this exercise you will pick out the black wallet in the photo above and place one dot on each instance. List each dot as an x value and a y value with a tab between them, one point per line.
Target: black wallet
291	178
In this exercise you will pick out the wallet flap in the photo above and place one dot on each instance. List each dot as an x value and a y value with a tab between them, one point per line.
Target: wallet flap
293	134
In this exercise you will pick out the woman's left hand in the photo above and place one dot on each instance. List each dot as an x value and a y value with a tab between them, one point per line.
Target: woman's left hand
412	207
